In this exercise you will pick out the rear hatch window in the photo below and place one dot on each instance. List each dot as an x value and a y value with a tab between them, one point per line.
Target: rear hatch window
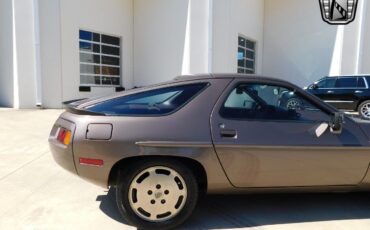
153	102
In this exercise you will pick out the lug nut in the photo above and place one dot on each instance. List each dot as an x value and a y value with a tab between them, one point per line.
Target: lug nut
150	192
163	201
166	192
158	186
152	201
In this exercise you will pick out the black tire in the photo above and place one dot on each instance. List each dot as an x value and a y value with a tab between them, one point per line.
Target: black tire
361	113
126	177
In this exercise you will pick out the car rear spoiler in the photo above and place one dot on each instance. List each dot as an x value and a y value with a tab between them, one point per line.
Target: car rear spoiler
73	102
72	107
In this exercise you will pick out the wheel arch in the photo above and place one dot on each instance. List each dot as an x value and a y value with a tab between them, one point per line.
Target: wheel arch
195	166
360	102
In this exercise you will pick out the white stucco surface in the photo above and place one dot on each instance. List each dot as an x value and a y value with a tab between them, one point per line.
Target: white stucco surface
161	39
112	17
231	18
6	55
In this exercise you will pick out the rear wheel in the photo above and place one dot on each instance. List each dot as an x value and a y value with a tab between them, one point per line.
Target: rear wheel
364	110
157	195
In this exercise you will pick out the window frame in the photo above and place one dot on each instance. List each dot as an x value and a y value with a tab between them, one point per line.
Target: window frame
206	84
245	58
358	81
337	78
230	89
100	54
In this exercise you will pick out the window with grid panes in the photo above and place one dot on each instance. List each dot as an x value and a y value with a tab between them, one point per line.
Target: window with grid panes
99	59
246	55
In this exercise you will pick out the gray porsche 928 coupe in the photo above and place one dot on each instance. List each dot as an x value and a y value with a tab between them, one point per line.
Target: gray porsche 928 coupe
162	146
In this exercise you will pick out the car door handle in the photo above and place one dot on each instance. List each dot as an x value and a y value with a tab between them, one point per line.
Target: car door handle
359	91
330	91
228	133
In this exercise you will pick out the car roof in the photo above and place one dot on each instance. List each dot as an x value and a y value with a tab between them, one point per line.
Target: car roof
179	79
77	106
227	76
356	75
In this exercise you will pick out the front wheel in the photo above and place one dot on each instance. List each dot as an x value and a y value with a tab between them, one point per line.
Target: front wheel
364	110
157	194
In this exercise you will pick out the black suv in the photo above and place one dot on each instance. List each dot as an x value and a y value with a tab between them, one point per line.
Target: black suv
349	93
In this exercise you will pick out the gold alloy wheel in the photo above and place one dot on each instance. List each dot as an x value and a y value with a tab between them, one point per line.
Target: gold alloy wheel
157	194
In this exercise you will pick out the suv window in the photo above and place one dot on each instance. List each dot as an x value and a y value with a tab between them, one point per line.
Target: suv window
327	83
346	82
361	83
154	102
268	102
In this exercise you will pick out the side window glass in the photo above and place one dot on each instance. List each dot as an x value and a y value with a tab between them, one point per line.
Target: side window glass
361	83
327	83
346	82
321	84
268	102
330	82
239	100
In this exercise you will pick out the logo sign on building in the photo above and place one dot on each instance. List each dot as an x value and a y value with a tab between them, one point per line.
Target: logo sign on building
338	12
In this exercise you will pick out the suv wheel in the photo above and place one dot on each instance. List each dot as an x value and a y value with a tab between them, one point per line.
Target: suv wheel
364	110
157	194
293	103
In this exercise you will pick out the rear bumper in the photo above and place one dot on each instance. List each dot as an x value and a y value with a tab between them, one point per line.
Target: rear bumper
62	154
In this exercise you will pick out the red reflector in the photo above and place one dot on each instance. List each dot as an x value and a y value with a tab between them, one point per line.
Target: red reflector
89	161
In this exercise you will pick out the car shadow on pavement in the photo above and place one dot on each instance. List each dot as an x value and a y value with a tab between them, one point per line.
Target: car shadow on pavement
238	211
109	207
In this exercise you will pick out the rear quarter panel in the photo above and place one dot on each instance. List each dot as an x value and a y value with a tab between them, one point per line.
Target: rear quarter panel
188	128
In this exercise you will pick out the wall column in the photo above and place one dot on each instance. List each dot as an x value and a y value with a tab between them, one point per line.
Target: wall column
198	38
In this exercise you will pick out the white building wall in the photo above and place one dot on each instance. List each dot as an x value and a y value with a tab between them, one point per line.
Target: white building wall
231	18
352	42
50	49
114	17
24	54
165	38
298	44
6	54
198	37
159	38
300	47
365	41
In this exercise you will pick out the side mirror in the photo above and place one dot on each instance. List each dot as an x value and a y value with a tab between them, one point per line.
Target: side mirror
336	123
319	130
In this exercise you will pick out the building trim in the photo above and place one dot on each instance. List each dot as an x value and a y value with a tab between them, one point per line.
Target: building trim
38	78
210	36
15	61
360	34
